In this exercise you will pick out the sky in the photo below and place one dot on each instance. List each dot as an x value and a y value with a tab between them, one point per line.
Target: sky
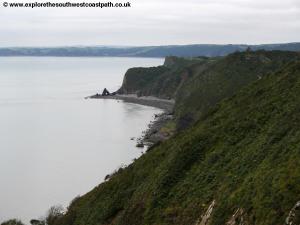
153	22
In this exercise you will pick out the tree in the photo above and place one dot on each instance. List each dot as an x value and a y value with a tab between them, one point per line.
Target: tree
54	213
12	222
37	222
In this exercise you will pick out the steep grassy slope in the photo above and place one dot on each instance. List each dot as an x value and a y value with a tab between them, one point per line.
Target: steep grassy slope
162	81
199	83
241	158
224	78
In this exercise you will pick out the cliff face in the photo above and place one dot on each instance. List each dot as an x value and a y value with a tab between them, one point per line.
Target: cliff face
239	164
197	84
141	81
162	81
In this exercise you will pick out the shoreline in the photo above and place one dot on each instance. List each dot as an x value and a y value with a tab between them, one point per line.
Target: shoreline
164	104
153	134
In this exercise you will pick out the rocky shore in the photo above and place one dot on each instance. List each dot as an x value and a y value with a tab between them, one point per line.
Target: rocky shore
165	104
154	133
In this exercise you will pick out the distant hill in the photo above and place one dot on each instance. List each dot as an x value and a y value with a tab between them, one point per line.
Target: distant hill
208	50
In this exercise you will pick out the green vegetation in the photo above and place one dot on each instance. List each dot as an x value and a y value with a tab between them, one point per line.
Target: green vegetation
139	80
197	84
54	214
162	81
243	152
215	81
169	128
12	222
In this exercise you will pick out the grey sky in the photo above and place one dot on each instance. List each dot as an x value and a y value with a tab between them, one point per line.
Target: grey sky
154	22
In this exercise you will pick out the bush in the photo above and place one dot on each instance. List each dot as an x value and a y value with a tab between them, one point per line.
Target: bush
12	222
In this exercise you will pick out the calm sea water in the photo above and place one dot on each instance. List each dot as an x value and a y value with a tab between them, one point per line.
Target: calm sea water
54	144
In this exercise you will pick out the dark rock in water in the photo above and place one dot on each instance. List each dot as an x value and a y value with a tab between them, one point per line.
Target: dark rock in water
132	138
105	92
140	145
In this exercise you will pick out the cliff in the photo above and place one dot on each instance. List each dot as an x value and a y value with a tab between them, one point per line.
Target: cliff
227	157
162	81
238	164
196	84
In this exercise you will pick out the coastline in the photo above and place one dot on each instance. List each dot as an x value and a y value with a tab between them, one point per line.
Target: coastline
164	104
153	134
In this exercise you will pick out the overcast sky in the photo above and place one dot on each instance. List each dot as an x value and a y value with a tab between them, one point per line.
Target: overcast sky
154	22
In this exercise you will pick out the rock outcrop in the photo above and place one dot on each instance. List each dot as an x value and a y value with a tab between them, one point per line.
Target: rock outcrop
205	219
105	92
238	218
294	215
170	61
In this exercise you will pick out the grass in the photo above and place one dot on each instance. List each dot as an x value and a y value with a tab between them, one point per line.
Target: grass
243	152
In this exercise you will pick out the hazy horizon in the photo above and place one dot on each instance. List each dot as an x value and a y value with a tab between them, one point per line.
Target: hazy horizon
137	46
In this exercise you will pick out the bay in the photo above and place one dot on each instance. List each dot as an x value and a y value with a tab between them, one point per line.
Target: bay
54	144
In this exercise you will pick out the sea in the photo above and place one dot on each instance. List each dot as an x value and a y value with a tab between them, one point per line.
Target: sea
56	145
